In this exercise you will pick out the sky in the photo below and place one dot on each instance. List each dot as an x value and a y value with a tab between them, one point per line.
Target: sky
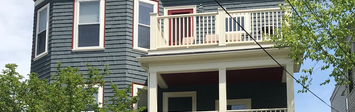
16	23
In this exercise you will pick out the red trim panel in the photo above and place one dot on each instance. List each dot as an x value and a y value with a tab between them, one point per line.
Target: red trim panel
72	36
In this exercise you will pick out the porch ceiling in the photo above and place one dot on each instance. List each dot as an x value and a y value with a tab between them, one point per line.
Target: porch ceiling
233	76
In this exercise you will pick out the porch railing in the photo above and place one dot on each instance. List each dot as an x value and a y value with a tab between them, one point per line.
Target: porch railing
213	28
260	110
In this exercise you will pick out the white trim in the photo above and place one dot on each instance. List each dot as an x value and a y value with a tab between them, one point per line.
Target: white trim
88	49
247	102
47	6
140	49
166	9
100	95
101	22
135	90
135	22
37	2
40	56
167	95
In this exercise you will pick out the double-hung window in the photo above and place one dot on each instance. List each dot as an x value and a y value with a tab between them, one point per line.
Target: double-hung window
41	42
141	31
89	25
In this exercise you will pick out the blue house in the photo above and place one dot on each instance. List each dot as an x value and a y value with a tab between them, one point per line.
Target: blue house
189	54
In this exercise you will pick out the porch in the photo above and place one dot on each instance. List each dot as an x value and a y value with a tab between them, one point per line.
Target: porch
220	81
261	88
199	32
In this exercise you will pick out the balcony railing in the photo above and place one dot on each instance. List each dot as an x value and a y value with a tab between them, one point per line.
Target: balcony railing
260	110
256	110
213	28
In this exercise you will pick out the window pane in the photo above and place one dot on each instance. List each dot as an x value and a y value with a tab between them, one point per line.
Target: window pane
89	12
41	42
143	36
42	25
89	35
238	107
95	97
144	12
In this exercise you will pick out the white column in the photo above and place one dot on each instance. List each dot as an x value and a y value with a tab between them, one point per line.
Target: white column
221	27
222	90
152	92
290	89
153	30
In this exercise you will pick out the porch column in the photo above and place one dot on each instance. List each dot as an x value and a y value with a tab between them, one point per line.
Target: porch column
152	92
222	90
290	89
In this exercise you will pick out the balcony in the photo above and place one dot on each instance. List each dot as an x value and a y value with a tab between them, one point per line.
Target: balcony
189	32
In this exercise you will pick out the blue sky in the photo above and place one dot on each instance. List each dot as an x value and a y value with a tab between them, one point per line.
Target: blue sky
16	23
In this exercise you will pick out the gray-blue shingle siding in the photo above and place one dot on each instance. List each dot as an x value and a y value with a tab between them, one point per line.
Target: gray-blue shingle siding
118	53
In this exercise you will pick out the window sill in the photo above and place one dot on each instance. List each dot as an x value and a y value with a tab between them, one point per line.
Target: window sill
88	49
40	56
139	49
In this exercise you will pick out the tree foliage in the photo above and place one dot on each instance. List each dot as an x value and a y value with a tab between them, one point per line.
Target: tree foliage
67	90
318	30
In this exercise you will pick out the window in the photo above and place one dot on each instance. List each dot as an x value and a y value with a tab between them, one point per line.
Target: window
236	104
89	25
99	97
42	32
143	98
141	31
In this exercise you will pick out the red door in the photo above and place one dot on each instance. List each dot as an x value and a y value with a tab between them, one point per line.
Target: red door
180	27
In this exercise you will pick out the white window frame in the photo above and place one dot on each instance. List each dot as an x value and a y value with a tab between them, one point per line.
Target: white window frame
246	102
37	32
100	96
136	22
135	89
76	25
167	95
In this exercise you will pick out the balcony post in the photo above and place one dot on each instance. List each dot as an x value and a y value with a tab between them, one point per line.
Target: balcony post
152	92
222	90
221	27
290	89
153	31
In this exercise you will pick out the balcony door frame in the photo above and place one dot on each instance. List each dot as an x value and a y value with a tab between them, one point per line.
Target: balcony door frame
188	9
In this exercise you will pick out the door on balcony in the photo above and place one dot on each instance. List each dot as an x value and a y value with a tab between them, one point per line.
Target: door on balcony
180	27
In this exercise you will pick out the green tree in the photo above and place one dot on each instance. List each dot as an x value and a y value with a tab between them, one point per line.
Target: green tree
11	90
68	90
316	30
